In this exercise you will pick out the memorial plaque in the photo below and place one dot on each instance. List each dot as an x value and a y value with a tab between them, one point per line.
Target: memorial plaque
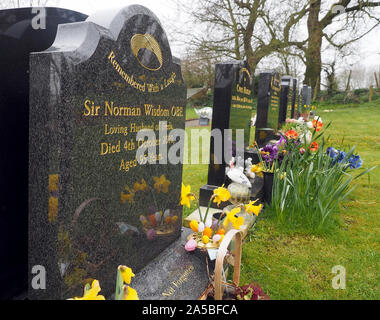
233	106
175	274
18	38
93	204
267	107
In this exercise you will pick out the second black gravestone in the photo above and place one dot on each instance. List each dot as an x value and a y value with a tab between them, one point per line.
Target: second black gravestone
93	206
285	98
22	31
268	105
233	106
294	99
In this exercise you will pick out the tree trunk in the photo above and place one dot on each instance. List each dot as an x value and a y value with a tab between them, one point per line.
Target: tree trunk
313	51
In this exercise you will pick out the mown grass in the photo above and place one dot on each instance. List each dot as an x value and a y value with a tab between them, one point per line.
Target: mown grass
291	265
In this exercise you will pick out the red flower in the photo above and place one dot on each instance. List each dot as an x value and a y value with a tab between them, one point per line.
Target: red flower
291	134
302	150
317	125
314	146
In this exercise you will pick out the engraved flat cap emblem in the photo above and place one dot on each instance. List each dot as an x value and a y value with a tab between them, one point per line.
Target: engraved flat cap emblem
148	42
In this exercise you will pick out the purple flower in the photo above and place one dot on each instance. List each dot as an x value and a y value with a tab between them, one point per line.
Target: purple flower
269	152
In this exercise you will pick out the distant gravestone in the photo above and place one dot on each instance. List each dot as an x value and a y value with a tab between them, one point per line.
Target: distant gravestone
268	105
294	99
306	101
233	106
285	98
93	205
19	36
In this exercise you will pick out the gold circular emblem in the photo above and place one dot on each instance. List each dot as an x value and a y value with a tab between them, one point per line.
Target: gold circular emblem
146	41
245	70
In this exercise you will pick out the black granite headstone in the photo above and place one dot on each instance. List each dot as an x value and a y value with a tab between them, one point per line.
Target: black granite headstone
233	106
18	38
306	100
294	99
268	104
285	96
93	205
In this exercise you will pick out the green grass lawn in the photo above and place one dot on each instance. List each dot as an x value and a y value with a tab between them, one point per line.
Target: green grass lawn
299	266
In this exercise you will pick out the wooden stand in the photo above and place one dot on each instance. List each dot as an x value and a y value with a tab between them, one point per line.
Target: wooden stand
218	287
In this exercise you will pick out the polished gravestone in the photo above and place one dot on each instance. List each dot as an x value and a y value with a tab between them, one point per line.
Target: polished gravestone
18	38
306	100
285	99
268	105
294	99
233	106
93	205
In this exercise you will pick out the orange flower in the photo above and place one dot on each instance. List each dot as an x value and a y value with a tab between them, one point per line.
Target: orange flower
314	146
317	125
291	134
207	232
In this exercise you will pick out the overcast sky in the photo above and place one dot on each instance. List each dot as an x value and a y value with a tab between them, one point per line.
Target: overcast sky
173	17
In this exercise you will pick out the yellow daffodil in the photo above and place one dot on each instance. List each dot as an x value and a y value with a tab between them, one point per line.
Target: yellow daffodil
92	293
140	186
221	195
236	222
186	196
130	293
126	274
251	209
130	197
258	170
161	184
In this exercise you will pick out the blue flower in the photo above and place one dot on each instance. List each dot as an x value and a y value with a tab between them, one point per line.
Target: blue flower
342	156
355	162
332	152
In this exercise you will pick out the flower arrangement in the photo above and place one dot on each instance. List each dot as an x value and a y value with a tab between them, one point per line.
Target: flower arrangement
297	136
207	233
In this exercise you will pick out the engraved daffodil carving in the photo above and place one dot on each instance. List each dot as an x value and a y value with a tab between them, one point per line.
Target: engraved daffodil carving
140	186
130	196
161	184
